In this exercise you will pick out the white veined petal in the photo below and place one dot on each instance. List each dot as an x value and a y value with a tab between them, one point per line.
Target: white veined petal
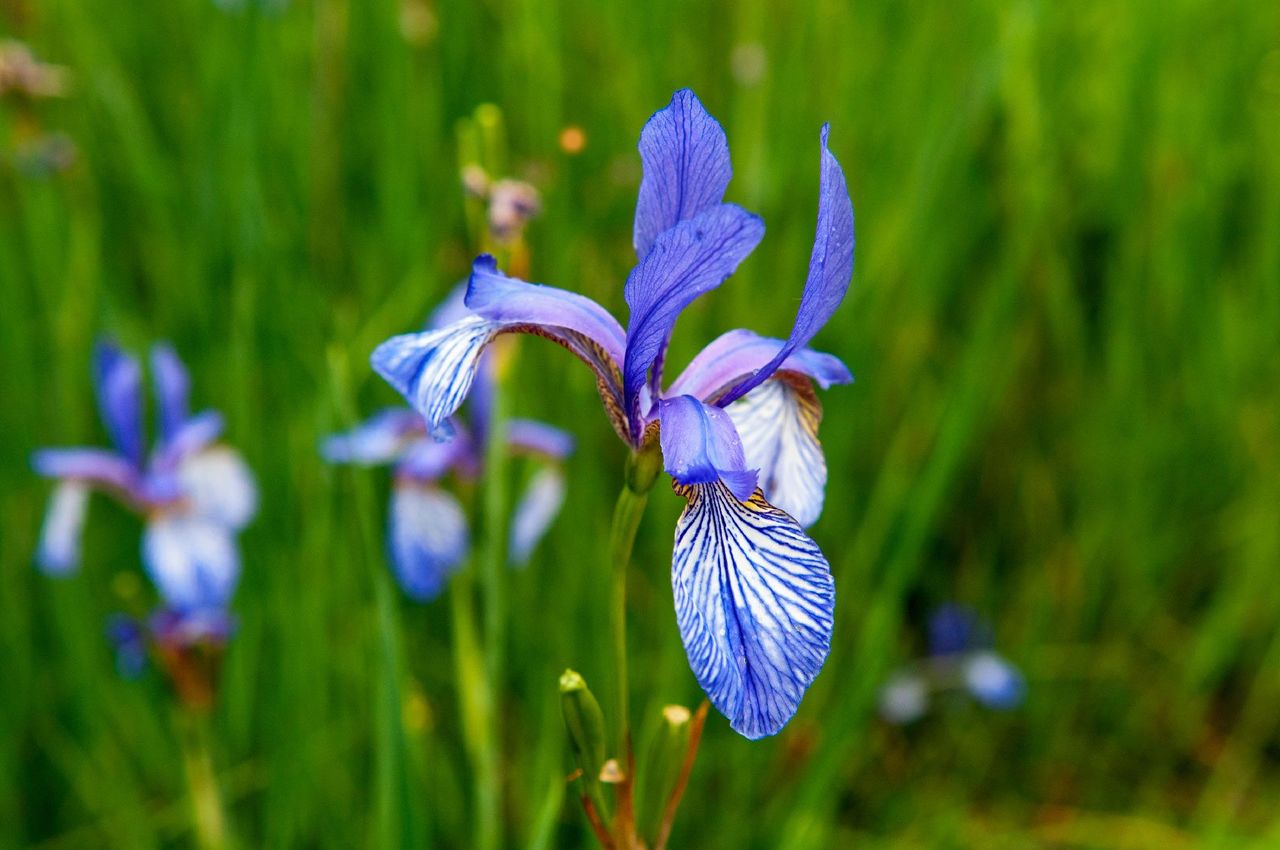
219	487
778	425
538	508
754	602
193	562
434	370
59	550
428	538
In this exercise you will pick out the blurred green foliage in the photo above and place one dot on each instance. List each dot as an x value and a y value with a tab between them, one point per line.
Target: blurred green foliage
1065	325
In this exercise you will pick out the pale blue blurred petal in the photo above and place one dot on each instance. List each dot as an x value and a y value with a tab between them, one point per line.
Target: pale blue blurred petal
428	539
993	681
59	548
219	487
192	561
537	509
528	435
381	438
904	698
754	600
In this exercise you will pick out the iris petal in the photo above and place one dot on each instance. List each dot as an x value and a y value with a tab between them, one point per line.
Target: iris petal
173	390
686	167
94	466
434	370
700	446
754	601
690	259
993	681
59	550
830	267
118	379
379	439
218	487
778	425
538	438
193	561
736	355
536	510
428	539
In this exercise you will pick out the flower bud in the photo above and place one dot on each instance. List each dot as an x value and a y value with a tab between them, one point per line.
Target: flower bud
585	724
661	771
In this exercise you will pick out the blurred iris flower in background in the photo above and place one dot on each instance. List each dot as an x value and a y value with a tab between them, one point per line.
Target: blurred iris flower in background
194	494
960	659
738	428
427	532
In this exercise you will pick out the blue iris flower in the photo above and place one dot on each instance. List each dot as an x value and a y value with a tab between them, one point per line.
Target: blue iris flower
427	527
960	658
194	493
738	428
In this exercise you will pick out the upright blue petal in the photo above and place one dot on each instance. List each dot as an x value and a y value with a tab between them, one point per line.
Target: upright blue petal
830	268
754	602
700	446
686	167
118	380
954	630
59	550
428	539
192	561
687	260
534	513
173	390
993	681
379	439
192	436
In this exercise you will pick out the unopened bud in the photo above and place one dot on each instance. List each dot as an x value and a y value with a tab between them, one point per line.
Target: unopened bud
661	771
585	724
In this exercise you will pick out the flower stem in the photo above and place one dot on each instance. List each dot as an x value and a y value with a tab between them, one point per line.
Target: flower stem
626	521
206	802
475	704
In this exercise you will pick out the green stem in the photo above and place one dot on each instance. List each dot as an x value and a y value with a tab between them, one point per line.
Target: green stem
206	802
626	521
475	704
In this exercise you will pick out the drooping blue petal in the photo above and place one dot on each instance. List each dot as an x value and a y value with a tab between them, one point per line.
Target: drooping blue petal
687	260
830	268
954	629
501	298
192	561
735	356
428	539
217	486
95	466
173	390
534	513
426	460
434	370
379	439
904	698
778	425
118	381
527	435
686	167
59	549
993	681
754	602
700	446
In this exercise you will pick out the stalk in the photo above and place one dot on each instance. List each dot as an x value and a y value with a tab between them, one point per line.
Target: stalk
206	801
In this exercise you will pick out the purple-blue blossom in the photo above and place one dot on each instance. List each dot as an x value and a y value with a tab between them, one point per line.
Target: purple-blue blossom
193	493
427	532
960	658
738	428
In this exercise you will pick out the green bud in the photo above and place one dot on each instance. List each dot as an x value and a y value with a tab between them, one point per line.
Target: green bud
661	770
643	467
585	724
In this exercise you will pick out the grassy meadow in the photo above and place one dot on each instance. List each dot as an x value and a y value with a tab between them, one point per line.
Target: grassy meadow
1064	324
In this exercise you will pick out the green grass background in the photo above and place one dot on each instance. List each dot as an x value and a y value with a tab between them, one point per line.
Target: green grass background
1065	324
